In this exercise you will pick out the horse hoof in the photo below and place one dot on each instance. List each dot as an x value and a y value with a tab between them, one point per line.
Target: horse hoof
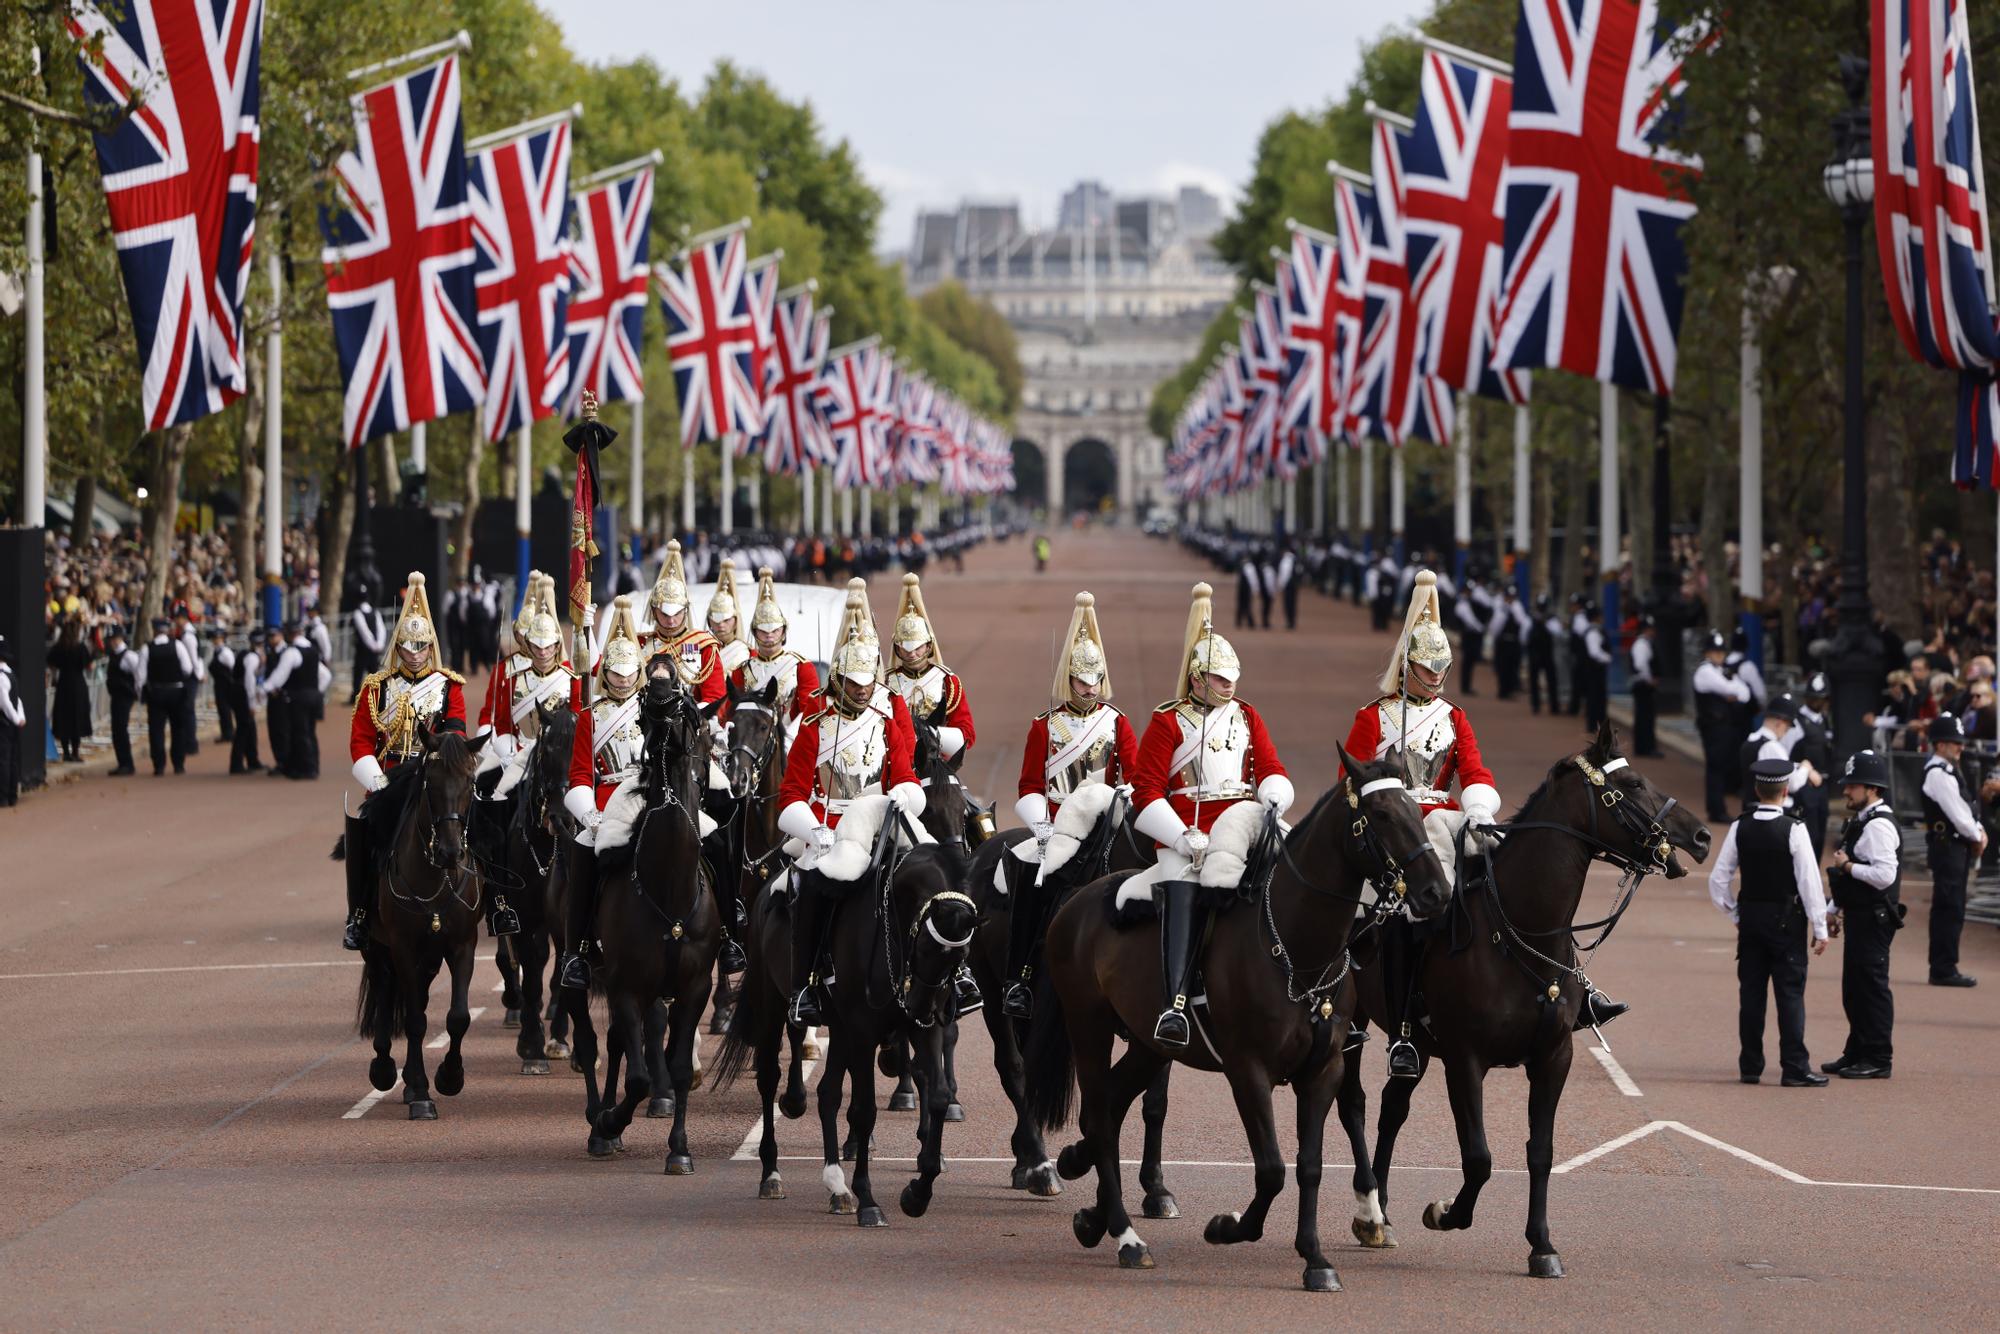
953	1113
1072	1163
1134	1255
872	1216
771	1187
680	1165
1042	1184
617	1144
1375	1236
382	1074
1020	1178
450	1078
1162	1205
556	1049
1545	1266
534	1065
793	1108
512	1019
1434	1214
1322	1280
904	1100
659	1109
423	1109
598	1147
914	1201
1088	1225
1222	1230
843	1203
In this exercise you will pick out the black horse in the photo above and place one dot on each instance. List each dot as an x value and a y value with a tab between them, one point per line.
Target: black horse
1504	985
1274	973
1111	846
660	931
897	939
425	916
532	848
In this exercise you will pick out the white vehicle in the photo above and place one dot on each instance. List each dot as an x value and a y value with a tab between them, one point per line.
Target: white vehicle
813	610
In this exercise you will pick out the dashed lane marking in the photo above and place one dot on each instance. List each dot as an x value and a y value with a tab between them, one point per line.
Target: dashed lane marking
438	1043
753	1139
197	968
1611	1146
1619	1078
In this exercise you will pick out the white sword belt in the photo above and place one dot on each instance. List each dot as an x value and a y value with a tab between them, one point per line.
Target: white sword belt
1225	792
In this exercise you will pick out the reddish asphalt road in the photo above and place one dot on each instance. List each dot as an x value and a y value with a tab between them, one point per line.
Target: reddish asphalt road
178	1151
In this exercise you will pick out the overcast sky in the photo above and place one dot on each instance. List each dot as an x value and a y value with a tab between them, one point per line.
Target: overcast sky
944	99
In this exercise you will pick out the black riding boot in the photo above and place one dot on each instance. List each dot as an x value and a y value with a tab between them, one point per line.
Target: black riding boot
1024	924
808	923
1397	984
1599	1009
965	991
1177	928
360	876
582	916
730	905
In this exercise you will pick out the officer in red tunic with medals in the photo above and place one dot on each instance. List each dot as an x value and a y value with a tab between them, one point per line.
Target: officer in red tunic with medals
920	677
770	660
695	654
395	711
610	742
859	744
1083	740
1204	751
543	683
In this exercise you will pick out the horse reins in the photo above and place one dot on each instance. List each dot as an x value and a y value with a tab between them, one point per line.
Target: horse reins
447	883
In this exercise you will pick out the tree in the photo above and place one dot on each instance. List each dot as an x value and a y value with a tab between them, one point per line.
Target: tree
974	324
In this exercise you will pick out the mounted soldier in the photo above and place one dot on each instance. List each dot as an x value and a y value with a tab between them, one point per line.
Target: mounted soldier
920	678
513	650
770	660
543	682
696	657
1081	743
1204	752
860	743
399	708
724	618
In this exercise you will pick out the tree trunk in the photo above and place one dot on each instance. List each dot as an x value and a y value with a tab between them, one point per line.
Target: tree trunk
85	508
164	503
1719	469
1544	516
250	481
1576	508
475	459
335	534
391	486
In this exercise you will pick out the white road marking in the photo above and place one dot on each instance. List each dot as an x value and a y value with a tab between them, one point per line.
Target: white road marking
373	1096
443	1040
1616	1071
753	1139
196	968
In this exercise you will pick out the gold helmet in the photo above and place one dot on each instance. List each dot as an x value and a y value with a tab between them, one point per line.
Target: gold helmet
1083	653
544	627
913	623
858	658
525	616
670	590
621	652
415	630
1203	651
722	606
768	615
1423	640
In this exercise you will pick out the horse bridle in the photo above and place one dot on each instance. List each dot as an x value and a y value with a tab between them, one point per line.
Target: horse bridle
447	882
910	984
754	761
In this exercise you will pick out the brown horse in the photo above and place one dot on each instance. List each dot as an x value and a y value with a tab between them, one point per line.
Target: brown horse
425	916
1275	967
1504	984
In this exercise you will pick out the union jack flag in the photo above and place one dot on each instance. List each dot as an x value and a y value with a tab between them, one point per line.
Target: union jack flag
1410	404
794	436
1452	163
607	300
520	221
180	177
1354	206
399	259
711	338
916	443
1311	401
1262	352
1595	195
760	284
848	404
1930	213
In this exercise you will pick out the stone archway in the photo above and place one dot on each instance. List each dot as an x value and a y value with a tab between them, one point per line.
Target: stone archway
1031	471
1090	476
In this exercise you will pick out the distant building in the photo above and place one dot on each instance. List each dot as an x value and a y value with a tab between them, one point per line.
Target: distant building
1088	199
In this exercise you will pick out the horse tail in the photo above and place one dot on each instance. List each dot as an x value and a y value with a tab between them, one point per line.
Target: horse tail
339	852
1049	1065
377	991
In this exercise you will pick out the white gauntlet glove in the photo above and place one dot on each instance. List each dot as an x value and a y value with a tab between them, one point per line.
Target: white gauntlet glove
1191	843
821	839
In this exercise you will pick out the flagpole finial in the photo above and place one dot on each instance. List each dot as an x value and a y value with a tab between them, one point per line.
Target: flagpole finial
589	405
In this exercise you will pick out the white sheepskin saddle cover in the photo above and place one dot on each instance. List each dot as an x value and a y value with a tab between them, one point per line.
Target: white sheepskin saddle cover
513	769
854	840
1078	816
622	812
1229	841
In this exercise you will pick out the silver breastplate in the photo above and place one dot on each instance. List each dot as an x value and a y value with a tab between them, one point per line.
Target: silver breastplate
1422	753
617	758
922	692
851	753
1217	746
1068	767
550	692
784	669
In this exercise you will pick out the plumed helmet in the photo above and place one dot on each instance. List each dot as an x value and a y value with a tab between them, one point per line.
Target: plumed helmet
1868	768
529	604
767	615
414	628
858	657
621	650
670	590
1202	650
1423	640
544	631
1083	653
722	606
913	622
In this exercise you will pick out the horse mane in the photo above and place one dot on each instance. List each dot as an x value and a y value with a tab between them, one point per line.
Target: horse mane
454	754
1541	794
1325	799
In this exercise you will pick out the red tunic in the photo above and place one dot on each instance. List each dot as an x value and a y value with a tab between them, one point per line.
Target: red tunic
1364	742
501	701
709	682
364	738
1124	759
1151	779
957	709
802	764
806	699
500	670
583	770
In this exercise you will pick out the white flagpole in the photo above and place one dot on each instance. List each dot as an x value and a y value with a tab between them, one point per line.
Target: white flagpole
728	496
274	419
868	514
687	488
34	397
1398	540
418	442
805	501
524	440
1368	496
461	41
826	508
1319	497
1461	490
1341	506
757	500
847	514
1523	482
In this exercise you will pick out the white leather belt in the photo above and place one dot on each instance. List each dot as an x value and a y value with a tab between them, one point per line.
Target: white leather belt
1430	796
1218	794
620	775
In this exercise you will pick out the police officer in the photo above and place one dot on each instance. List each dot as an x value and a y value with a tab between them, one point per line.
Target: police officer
1954	840
1645	691
221	668
121	679
1773	741
1780	896
1595	663
1544	633
300	678
13	717
233	684
1867	883
166	676
1811	743
183	630
277	722
370	636
1717	692
1512	629
1473	610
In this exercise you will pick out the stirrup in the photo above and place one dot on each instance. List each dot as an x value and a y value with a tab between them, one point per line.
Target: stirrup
805	1006
356	934
732	959
503	920
1357	1037
575	974
1403	1060
1018	1001
965	992
1599	1009
1172	1029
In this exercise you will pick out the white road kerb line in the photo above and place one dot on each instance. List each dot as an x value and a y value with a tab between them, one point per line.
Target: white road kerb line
360	1109
1617	1072
198	968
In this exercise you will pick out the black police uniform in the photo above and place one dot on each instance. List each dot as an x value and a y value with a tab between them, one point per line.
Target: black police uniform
1813	805
1870	918
124	691
1771	935
166	698
1542	662
1950	859
304	707
243	743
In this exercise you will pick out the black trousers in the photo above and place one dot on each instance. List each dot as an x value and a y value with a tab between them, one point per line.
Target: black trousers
1542	667
1645	717
1264	596
366	660
1507	666
1245	614
192	745
1718	756
278	726
243	739
302	751
1951	864
121	729
1596	682
10	763
1864	978
225	710
1771	954
1475	646
166	716
1292	605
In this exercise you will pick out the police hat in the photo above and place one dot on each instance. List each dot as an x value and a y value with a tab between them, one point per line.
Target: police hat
1543	603
162	623
1868	768
1783	706
114	631
1771	771
1714	643
1945	727
1816	688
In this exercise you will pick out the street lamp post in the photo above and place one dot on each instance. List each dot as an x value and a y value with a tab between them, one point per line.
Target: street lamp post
1856	662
